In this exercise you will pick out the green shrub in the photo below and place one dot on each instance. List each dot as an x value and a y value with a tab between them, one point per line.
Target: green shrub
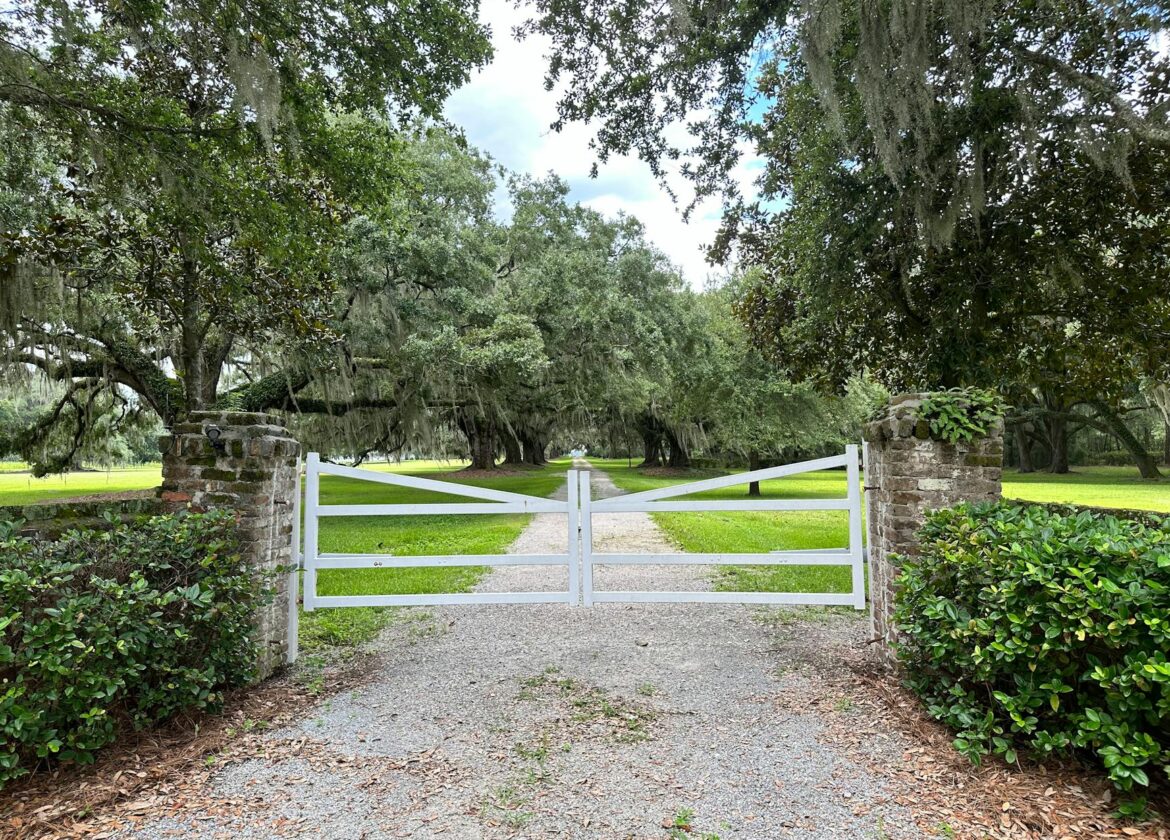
105	629
1043	629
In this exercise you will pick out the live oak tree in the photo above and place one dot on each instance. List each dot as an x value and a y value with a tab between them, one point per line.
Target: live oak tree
414	321
172	186
750	409
1058	285
450	318
605	301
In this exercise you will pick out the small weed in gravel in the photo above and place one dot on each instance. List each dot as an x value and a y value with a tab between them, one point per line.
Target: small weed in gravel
681	828
626	721
505	804
777	617
338	631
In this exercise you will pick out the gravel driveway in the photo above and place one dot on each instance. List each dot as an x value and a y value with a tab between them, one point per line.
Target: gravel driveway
549	721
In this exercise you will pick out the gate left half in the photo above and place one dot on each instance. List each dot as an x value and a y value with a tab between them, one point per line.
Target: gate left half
488	502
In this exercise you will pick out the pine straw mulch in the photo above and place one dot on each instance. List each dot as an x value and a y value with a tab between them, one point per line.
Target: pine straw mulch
939	786
150	774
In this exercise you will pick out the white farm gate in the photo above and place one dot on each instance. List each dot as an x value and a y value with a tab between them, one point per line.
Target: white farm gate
580	559
666	499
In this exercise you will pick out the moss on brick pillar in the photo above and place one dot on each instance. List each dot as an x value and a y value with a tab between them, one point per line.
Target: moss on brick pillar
910	473
251	468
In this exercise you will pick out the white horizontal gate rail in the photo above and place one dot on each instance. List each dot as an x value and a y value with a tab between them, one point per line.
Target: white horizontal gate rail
658	500
495	501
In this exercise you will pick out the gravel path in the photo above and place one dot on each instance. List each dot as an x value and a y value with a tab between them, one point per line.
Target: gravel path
550	721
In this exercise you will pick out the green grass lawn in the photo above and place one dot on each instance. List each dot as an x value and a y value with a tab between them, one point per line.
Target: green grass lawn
1116	487
20	488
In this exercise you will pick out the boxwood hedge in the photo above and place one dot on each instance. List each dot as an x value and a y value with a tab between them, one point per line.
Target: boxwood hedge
103	629
1044	629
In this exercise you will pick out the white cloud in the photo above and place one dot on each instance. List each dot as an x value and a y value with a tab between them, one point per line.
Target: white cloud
506	111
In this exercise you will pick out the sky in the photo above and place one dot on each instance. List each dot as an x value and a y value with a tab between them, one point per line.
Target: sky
505	111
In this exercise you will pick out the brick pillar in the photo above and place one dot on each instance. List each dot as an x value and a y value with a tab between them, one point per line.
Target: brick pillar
251	468
908	474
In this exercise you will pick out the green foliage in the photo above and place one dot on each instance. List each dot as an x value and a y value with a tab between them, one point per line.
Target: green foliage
746	404
1029	628
961	414
100	630
951	192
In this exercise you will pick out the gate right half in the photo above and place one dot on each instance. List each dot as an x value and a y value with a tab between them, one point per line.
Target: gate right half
665	499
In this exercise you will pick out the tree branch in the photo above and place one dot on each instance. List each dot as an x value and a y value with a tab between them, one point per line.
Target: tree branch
1099	89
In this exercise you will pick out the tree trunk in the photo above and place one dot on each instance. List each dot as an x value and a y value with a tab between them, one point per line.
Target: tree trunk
191	346
512	451
215	354
1057	428
534	445
534	450
651	449
1166	442
480	432
754	464
1146	464
679	458
483	452
1024	450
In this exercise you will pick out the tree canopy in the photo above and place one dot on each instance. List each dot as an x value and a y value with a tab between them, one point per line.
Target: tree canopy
175	176
952	193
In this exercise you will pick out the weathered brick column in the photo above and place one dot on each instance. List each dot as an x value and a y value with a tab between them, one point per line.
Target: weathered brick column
908	474
252	468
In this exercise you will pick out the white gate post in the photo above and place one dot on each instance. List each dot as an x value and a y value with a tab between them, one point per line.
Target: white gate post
855	549
294	575
867	477
586	539
574	487
312	493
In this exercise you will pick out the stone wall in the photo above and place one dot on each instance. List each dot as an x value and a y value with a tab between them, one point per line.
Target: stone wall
251	468
52	518
908	474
